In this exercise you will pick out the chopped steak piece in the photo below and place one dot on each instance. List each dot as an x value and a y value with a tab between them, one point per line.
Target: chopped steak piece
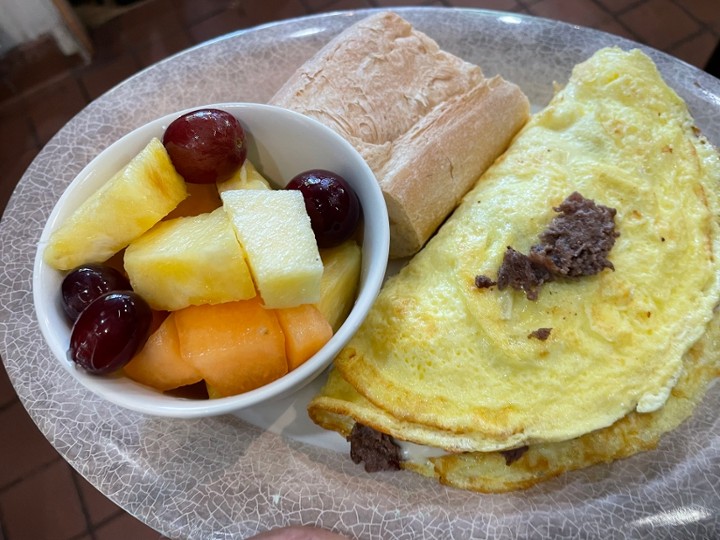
578	241
376	450
484	282
511	456
519	272
541	333
575	244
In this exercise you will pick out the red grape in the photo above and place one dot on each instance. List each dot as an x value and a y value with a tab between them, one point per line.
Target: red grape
331	203
109	332
206	146
85	283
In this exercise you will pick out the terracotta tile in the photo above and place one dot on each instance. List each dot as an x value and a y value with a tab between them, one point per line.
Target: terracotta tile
581	13
109	41
616	6
7	392
11	175
265	12
51	107
148	13
145	22
93	13
697	50
98	79
706	11
134	29
16	131
38	61
341	5
218	25
125	526
388	4
7	91
10	60
166	45
193	11
712	66
45	506
660	23
99	508
24	449
314	5
169	26
613	27
496	5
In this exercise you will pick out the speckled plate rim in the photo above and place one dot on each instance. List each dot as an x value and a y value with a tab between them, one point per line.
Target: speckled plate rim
186	478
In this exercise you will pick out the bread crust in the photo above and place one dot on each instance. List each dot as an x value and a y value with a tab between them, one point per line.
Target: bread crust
427	122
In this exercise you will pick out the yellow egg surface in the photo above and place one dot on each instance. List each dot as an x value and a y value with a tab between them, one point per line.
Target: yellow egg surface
438	351
339	406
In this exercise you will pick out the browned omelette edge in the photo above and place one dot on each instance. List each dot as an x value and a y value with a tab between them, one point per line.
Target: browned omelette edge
488	472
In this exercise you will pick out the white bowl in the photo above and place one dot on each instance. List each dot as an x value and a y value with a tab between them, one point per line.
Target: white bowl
281	143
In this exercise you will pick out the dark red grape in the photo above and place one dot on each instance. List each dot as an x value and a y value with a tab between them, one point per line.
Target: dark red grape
331	203
86	283
206	146
109	332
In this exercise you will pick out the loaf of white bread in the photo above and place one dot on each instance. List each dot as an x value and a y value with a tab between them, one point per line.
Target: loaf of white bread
427	122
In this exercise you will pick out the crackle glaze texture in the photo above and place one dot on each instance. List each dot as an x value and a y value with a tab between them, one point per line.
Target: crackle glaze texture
221	478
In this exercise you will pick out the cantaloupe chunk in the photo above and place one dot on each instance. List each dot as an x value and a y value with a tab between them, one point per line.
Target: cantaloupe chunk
159	363
306	332
236	346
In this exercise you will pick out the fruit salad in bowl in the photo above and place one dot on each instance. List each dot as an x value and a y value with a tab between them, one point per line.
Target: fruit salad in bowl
211	260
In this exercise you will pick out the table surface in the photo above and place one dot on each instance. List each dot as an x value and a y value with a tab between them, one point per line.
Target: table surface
224	478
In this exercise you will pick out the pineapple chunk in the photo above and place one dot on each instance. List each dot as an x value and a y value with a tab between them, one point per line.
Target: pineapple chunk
189	261
129	204
339	285
274	229
201	199
246	177
206	197
236	346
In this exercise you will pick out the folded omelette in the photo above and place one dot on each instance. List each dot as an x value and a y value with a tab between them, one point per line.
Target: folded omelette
489	387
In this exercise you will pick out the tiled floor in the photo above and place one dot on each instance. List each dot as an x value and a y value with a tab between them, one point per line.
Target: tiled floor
41	497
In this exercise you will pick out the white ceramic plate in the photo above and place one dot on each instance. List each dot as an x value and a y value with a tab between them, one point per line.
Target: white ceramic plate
225	478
